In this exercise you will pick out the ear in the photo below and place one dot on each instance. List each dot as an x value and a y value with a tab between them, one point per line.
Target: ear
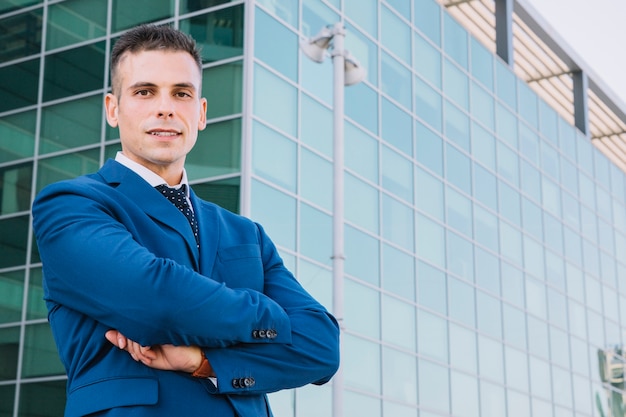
202	119
111	106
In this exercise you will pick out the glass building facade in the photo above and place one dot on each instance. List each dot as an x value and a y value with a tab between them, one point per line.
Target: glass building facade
484	234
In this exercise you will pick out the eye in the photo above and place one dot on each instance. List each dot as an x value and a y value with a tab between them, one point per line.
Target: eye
142	92
182	94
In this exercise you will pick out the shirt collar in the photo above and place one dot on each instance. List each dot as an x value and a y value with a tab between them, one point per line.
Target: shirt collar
150	177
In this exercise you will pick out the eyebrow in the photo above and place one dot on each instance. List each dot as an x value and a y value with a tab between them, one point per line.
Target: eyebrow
152	85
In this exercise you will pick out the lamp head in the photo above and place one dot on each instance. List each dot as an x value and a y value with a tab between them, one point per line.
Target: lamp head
354	72
315	47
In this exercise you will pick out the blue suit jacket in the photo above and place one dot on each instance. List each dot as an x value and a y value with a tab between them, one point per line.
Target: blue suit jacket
117	255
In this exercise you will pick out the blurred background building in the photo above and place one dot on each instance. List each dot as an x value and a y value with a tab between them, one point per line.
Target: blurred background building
484	204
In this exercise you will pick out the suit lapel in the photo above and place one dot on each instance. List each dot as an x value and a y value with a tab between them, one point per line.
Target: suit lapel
208	230
150	201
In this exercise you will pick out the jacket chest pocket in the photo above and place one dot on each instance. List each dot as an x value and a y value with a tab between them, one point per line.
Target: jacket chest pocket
240	266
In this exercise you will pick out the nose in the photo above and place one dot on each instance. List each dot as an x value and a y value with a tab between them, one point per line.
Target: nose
165	107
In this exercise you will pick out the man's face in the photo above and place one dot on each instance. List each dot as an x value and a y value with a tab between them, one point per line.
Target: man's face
158	109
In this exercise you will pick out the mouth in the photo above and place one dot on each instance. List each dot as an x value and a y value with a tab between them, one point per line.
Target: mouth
163	133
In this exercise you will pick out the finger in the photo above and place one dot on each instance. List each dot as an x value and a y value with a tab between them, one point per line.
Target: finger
116	338
147	352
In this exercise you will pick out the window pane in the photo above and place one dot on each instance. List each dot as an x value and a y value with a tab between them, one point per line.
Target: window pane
482	64
432	293
458	169
395	35
67	166
13	241
9	346
427	17
397	127
456	84
463	353
361	152
217	151
429	148
74	71
12	290
316	126
316	179
430	241
362	106
15	187
397	175
364	13
427	60
222	87
7	398
127	14
361	201
275	101
434	386
21	35
461	302
399	376
457	126
398	272
276	211
398	323
17	136
75	21
36	307
315	16
428	104
455	40
483	106
219	34
19	84
396	80
362	309
275	45
358	376
505	84
315	234
42	399
187	6
362	258
71	124
224	193
40	352
274	157
365	51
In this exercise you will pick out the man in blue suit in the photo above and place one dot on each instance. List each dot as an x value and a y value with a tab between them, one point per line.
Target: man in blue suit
161	308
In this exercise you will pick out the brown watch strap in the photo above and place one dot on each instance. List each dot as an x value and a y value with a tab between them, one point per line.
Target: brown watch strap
204	370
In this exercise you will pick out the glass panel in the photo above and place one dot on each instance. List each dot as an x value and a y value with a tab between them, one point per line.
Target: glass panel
458	169
397	127
398	323
396	81
274	157
538	337
512	284
361	201
483	106
431	291
527	104
461	302
21	35
427	60
432	337
9	347
492	400
365	378
395	35
455	40
457	126
217	151
532	218
362	258
360	405
71	124
486	228
128	14
489	315
8	6
219	34
455	84
19	84
316	179
514	326
36	307
74	71
224	193
399	375
460	256
12	290
361	152
362	106
286	10
75	21
364	13
485	185
464	394
510	243
276	211
275	101
516	368
531	180
275	45
429	148
222	87
315	234
42	399
491	359
481	63
397	175
398	272
434	386
7	399
506	85
13	241
428	104
362	309
533	257
458	212
17	136
15	187
463	353
40	352
315	16
316	128
67	166
430	241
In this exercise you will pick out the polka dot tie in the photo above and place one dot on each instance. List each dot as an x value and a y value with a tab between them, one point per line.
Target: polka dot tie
178	197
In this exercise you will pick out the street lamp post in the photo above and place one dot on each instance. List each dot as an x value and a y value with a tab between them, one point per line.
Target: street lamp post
346	71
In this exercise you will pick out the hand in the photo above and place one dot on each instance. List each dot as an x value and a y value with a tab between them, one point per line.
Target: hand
164	357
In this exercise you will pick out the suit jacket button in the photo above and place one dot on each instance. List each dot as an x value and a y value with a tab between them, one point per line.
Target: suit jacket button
272	333
262	334
248	382
255	334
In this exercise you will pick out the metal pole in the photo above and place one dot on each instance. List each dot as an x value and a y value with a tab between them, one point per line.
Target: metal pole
338	256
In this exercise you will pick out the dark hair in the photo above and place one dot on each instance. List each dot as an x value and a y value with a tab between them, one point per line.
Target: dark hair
150	38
